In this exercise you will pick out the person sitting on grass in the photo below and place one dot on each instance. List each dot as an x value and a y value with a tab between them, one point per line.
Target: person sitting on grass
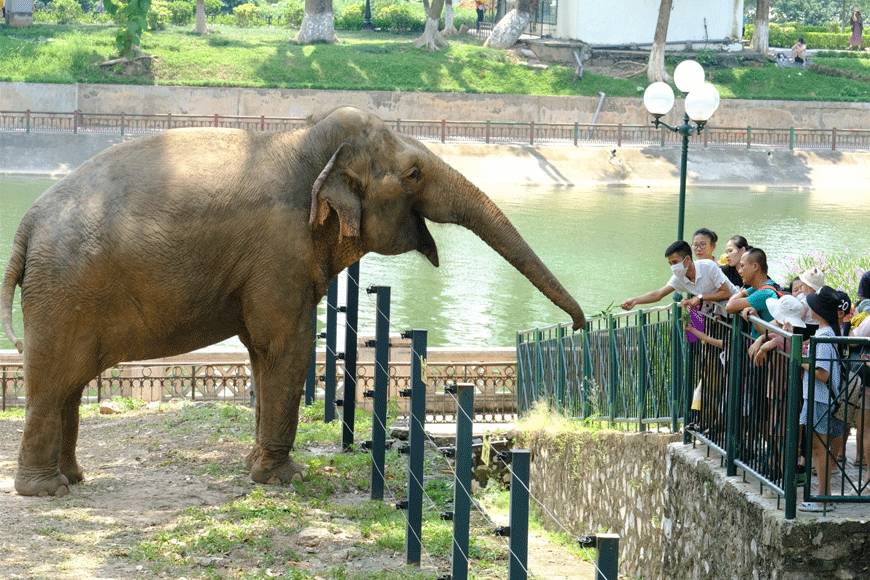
799	52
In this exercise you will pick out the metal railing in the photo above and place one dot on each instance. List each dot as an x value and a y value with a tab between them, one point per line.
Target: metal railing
450	131
640	368
494	382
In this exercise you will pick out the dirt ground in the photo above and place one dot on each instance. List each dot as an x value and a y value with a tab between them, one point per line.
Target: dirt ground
146	471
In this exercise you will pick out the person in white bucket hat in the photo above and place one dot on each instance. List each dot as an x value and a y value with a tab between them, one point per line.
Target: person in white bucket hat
814	278
786	309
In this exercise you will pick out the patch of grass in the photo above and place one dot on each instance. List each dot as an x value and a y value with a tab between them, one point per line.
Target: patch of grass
12	414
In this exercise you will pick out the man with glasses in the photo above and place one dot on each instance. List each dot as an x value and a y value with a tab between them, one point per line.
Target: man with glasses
702	280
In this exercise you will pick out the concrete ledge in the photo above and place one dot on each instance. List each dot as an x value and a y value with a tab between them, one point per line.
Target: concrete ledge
57	154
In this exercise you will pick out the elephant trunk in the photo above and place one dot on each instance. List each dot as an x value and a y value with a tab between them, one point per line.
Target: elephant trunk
462	203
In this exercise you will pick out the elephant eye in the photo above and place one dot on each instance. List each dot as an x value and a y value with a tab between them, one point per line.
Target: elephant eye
415	174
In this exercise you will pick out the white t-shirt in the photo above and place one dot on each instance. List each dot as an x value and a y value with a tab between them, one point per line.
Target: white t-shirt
709	277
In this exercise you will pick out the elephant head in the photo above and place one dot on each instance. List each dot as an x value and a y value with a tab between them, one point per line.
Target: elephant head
383	186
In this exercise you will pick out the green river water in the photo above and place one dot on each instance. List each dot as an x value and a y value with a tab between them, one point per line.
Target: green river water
604	244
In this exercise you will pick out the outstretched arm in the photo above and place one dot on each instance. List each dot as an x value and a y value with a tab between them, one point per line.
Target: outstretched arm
648	298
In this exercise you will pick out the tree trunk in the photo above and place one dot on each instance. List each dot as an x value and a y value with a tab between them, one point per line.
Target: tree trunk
449	28
509	29
201	26
761	35
655	70
317	23
431	39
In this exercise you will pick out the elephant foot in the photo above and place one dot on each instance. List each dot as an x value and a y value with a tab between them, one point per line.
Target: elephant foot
74	472
32	482
272	472
253	457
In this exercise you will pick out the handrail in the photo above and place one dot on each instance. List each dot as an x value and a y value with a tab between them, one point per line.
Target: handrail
623	366
484	131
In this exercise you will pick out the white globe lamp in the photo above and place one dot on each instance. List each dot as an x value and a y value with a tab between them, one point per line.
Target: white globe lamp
702	102
688	75
658	98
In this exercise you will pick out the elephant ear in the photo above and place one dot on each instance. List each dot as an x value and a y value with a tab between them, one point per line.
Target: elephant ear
331	190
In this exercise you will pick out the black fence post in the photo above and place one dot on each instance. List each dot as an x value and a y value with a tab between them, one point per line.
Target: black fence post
735	399
329	366
416	438
382	378
350	340
462	486
311	379
519	518
607	557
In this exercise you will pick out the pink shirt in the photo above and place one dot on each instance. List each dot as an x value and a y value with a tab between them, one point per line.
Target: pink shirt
863	328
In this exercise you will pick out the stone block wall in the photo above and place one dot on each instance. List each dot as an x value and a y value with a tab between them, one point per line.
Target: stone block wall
605	481
677	514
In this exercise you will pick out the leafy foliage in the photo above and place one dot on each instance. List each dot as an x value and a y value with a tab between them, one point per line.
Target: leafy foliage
181	12
66	11
294	11
245	14
842	271
133	16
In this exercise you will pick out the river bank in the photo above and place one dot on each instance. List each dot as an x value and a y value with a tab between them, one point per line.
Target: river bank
57	154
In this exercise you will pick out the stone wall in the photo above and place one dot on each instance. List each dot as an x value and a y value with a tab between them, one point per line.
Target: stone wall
679	517
605	481
146	99
719	527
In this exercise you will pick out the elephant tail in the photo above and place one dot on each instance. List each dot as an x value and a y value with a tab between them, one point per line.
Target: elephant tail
14	276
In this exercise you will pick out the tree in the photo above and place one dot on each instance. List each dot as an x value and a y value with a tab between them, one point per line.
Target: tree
449	28
201	26
508	30
318	23
655	70
811	12
133	17
431	39
761	35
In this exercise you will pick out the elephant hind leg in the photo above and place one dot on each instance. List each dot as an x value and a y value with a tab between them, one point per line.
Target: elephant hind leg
69	466
46	457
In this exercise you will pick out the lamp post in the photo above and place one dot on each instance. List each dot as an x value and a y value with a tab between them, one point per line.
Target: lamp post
702	100
367	16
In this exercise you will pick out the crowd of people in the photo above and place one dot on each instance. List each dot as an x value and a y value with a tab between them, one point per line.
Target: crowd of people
738	284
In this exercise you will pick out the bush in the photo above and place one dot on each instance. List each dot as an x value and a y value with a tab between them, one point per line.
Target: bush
159	15
293	13
398	18
66	11
245	14
181	12
352	17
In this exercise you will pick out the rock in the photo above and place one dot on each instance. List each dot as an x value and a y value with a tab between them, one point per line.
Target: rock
312	537
110	408
527	53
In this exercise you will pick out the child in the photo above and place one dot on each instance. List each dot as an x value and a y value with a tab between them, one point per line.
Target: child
824	305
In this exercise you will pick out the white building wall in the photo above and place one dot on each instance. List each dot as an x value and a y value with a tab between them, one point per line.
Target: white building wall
634	21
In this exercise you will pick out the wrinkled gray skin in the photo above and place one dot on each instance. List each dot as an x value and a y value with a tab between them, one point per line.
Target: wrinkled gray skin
179	240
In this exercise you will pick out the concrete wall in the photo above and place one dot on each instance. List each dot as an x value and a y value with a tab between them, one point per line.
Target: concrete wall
679	517
142	99
633	21
489	165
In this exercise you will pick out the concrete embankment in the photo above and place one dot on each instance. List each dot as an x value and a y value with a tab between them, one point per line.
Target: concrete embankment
654	166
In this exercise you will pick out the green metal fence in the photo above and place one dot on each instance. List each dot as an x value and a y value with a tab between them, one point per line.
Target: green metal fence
639	368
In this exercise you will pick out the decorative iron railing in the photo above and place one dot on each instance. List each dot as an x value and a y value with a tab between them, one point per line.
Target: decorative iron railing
640	367
495	385
453	131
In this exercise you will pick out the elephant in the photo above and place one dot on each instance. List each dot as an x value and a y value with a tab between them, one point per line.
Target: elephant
174	241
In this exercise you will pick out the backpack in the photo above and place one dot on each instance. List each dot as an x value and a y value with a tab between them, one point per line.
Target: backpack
771	285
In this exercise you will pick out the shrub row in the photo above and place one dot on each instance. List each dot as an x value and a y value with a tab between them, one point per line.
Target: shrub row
818	37
395	16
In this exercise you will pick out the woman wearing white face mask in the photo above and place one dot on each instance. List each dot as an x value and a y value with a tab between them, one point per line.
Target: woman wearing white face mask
703	280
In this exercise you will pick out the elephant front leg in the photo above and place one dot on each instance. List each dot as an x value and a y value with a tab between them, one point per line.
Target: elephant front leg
279	387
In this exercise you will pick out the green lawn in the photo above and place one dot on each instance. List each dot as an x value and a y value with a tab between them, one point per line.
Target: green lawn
267	57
